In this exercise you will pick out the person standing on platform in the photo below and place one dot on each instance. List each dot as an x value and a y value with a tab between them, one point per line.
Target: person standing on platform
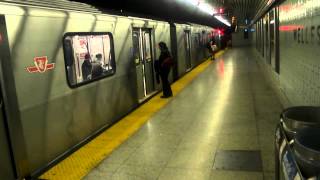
214	49
165	62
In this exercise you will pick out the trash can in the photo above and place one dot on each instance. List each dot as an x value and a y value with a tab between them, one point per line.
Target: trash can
292	120
295	118
306	149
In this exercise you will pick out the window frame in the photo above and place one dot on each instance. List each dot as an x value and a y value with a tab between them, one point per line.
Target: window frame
112	51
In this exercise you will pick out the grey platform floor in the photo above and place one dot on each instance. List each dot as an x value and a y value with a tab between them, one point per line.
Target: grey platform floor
229	106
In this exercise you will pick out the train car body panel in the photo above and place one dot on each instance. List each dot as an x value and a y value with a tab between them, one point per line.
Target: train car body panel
54	116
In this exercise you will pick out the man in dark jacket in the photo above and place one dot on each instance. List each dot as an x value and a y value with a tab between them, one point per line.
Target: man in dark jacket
86	68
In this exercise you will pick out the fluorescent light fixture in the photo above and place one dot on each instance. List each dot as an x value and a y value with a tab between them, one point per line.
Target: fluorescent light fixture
193	2
224	21
209	10
206	8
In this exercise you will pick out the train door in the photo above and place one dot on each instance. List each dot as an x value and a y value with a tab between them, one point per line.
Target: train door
6	167
142	46
188	50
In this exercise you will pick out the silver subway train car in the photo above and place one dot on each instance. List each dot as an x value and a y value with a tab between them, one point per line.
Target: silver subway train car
50	103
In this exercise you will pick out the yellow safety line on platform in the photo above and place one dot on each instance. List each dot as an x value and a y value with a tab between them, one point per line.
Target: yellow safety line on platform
81	162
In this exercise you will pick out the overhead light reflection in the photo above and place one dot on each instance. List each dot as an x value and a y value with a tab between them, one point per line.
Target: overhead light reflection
223	89
7	9
193	2
206	8
224	21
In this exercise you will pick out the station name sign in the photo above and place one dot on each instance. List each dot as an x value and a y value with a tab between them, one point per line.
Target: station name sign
307	35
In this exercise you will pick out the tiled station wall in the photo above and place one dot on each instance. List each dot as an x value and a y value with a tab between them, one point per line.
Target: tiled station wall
299	78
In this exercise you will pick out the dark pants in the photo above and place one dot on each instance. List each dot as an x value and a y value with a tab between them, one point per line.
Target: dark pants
164	73
211	54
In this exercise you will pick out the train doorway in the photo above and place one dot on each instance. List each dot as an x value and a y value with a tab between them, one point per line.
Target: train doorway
187	48
142	47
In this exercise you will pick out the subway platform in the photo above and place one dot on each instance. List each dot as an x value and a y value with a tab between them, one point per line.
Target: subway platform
219	126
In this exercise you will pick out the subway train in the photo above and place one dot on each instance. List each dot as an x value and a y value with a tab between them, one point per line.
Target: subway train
50	103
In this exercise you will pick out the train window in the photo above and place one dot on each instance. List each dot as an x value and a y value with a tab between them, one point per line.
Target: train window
197	39
147	50
88	57
136	49
204	40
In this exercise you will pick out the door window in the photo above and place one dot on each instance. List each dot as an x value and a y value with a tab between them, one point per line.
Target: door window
147	52
136	49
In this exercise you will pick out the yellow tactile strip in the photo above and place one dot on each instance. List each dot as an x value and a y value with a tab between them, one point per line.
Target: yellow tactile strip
81	162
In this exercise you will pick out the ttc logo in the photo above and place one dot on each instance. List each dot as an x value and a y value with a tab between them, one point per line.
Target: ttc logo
41	65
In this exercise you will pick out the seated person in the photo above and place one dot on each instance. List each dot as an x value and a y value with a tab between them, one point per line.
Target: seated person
86	67
97	69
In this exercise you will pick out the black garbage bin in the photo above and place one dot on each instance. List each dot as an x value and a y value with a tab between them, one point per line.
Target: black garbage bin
295	118
291	120
306	148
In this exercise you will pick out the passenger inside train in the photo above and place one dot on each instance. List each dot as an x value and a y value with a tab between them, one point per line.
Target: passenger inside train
86	68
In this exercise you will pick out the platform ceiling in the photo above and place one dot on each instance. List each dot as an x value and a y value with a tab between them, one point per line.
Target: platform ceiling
181	10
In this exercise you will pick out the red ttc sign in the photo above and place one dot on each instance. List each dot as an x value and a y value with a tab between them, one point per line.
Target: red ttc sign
40	65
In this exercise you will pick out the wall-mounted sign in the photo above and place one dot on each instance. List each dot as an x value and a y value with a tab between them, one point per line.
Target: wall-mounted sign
40	65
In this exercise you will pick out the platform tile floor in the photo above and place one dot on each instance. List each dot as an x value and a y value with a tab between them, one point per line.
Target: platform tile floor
228	108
